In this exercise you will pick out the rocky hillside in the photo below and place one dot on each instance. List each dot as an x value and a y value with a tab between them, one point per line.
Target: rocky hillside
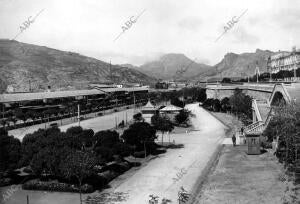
168	67
232	66
238	65
24	65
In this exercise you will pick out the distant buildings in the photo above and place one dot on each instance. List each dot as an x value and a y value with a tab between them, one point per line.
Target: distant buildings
287	61
161	85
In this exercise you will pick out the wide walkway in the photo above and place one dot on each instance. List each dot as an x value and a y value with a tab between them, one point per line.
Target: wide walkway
159	176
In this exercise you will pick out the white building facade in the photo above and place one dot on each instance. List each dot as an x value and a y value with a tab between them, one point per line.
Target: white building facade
288	61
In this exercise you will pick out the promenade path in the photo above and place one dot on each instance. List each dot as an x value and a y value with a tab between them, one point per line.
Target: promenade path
157	176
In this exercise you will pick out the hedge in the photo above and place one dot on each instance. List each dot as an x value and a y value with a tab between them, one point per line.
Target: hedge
56	186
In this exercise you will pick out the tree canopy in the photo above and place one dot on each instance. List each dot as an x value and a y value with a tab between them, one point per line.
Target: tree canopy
138	133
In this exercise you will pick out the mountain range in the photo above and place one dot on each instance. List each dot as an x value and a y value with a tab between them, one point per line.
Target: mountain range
178	66
27	67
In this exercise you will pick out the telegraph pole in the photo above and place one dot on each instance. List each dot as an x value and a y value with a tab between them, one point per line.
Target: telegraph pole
78	109
257	71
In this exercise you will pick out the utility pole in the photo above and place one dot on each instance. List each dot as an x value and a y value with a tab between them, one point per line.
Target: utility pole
133	100
29	85
257	71
269	68
294	59
110	72
78	109
295	66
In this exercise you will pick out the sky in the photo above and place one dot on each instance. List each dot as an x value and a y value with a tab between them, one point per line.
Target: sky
191	27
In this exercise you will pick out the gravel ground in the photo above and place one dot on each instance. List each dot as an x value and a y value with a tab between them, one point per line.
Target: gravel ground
246	179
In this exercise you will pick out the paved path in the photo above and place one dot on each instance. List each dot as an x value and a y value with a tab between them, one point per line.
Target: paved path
157	177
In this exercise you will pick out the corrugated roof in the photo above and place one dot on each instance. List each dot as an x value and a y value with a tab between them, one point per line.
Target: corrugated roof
15	97
129	89
171	108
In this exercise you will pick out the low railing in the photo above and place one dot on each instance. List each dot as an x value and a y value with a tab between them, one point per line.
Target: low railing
253	125
255	107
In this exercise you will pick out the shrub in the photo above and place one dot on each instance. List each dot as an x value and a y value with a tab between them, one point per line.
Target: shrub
182	117
56	186
122	149
140	154
5	182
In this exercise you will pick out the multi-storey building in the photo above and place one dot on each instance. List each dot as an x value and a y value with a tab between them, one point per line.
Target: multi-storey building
288	61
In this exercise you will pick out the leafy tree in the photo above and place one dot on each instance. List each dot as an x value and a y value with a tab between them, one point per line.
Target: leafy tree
225	105
226	80
79	165
177	102
208	103
74	131
138	117
45	149
141	135
106	138
241	103
3	123
183	116
285	126
31	114
216	105
20	114
201	95
10	151
162	123
3	86
86	138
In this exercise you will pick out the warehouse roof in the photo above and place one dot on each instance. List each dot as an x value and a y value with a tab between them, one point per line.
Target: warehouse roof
15	97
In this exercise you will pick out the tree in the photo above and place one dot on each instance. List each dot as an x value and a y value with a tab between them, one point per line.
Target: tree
10	151
225	105
183	116
74	131
226	80
162	123
86	138
201	95
285	126
177	102
3	123
216	105
106	138
20	114
241	103
141	135
207	104
80	165
138	117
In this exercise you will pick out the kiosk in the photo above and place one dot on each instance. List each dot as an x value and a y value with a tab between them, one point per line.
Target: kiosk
253	142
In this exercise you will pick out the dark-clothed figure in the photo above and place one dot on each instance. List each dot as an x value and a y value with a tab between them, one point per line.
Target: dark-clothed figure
234	140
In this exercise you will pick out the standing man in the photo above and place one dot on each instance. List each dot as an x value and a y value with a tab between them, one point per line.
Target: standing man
233	140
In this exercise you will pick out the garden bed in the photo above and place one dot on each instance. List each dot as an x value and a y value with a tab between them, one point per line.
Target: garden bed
56	186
